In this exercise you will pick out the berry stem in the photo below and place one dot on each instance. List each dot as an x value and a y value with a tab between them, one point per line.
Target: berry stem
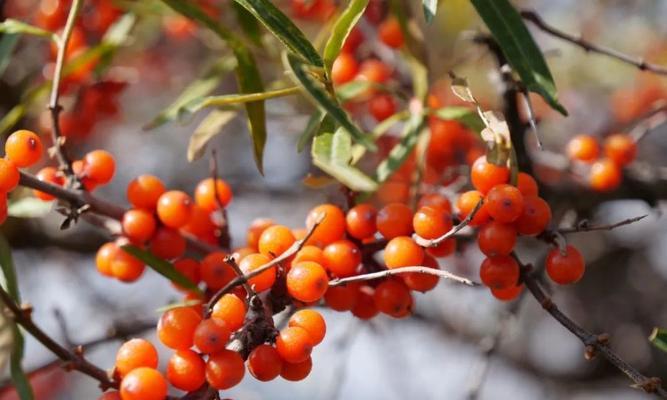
403	270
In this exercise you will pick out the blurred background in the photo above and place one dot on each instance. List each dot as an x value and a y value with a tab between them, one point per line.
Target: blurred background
456	332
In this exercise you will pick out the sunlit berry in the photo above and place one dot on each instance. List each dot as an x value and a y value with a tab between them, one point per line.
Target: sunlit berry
620	148
331	227
312	322
186	370
565	267
24	148
583	148
294	344
176	327
133	354
341	258
174	208
402	251
144	191
224	369
307	281
504	203
206	191
264	280
394	220
143	384
605	176
484	175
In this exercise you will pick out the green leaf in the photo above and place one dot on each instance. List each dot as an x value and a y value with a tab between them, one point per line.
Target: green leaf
312	127
402	150
283	28
464	115
248	24
29	207
430	8
332	153
341	29
162	267
517	44
355	88
12	26
7	45
206	130
323	99
659	338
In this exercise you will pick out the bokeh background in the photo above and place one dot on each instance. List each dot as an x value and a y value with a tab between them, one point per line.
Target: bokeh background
439	352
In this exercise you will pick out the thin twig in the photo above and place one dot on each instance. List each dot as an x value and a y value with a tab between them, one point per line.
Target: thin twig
403	270
584	226
229	260
224	240
434	242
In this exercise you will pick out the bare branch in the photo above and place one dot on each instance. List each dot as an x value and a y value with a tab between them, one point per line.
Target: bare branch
584	226
403	270
434	242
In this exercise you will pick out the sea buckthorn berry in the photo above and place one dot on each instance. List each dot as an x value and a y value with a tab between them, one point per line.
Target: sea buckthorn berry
264	363
342	258
186	370
431	223
264	280
144	191
9	175
143	384
125	267
242	252
583	148
390	33
344	68
174	208
341	298
167	243
360	221
24	148
138	225
374	71
275	240
496	239
499	272
353	40
484	175
565	267
394	220
224	369
309	253
467	202
507	294
402	251
442	249
365	307
205	194
527	185
49	175
296	371
105	256
332	226
133	354
214	271
312	322
422	282
189	268
392	297
307	281
99	166
435	200
382	106
78	167
211	335
201	225
231	309
535	217
255	231
294	344
176	327
604	176
620	148
504	203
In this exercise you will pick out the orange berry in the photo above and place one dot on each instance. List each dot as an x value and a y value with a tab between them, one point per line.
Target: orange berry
309	253
200	224
442	249
527	184
264	363
167	243
394	220
390	33
242	252
206	191
294	344
422	282
354	39
231	309
264	280
312	322
374	71
565	268
144	191
435	200
382	106
467	202
176	327
431	223
9	175
133	354
24	148
125	267
499	272
342	258
307	281
189	268
583	148
331	228
49	175
186	370
275	240
504	203
620	148
143	384
174	208
402	251
344	68
341	298
78	168
214	271
105	256
224	369
211	335
255	231
99	166
365	307
138	225
507	294
535	216
360	221
296	371
484	176
392	297
496	239
604	176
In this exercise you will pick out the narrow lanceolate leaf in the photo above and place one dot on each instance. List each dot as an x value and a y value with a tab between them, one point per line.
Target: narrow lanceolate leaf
430	8
283	28
350	90
464	115
517	44
19	377
402	150
248	24
29	207
228	100
7	46
341	29
206	130
659	338
247	73
332	153
12	26
313	125
321	97
162	267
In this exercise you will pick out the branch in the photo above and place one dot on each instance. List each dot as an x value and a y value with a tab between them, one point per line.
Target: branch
584	226
638	62
403	270
434	242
